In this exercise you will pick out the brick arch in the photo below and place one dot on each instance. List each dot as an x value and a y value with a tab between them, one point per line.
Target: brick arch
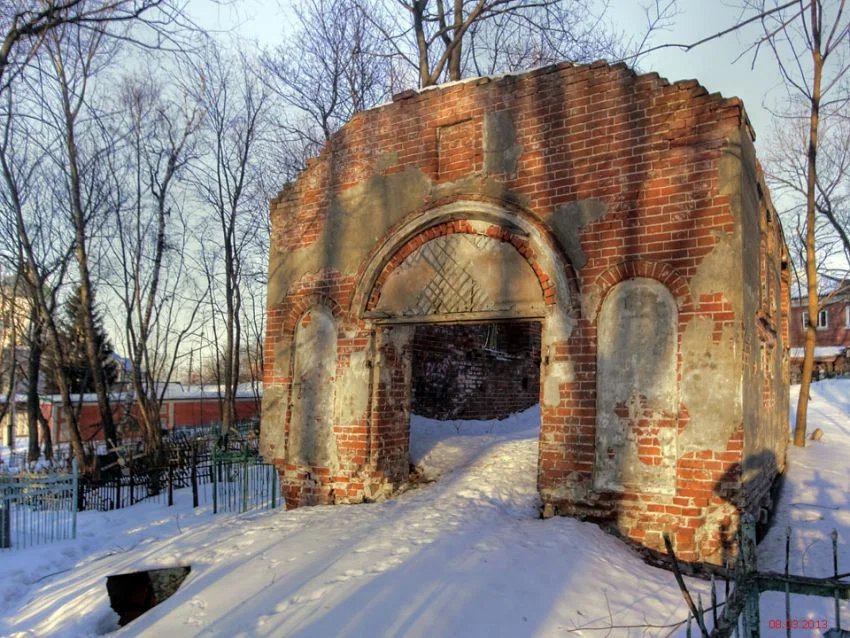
465	226
298	306
462	214
658	271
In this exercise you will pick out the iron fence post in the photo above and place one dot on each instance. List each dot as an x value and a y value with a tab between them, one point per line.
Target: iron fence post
245	480
274	485
194	476
835	572
748	549
170	485
75	490
214	480
5	518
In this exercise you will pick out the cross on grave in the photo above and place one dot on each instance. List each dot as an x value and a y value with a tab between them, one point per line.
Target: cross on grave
743	601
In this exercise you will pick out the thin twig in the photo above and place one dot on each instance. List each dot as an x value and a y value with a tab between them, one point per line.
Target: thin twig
715	36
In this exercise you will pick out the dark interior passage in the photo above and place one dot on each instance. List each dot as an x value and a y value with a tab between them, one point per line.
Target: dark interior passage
475	371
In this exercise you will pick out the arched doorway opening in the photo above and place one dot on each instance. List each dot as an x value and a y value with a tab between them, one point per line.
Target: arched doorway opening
475	266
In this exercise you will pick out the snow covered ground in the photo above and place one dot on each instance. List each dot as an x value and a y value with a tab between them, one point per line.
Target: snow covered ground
465	555
815	500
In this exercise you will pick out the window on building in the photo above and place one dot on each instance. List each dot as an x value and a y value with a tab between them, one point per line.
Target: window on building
823	319
805	318
847	316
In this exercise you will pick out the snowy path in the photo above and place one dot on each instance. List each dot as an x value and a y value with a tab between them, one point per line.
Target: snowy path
465	555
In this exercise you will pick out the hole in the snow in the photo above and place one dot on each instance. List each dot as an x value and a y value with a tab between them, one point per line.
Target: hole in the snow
131	595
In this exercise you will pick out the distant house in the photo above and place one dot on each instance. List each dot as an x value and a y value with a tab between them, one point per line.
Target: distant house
832	333
16	413
15	307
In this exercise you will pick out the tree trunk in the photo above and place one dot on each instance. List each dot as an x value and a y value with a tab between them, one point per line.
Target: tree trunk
811	265
65	393
227	407
33	372
78	217
455	56
425	78
47	438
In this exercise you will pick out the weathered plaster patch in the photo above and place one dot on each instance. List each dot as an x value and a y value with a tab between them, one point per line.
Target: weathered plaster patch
716	273
278	282
311	436
590	299
481	185
352	389
568	220
559	325
386	160
636	370
554	375
272	433
573	489
501	150
282	356
711	386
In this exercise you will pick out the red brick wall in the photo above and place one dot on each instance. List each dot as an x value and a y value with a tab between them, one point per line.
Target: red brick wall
187	413
475	371
649	150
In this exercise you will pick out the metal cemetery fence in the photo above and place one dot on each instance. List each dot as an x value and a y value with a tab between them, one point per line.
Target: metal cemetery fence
233	484
37	508
227	475
229	482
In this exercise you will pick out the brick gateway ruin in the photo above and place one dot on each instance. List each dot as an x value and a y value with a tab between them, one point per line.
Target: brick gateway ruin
626	215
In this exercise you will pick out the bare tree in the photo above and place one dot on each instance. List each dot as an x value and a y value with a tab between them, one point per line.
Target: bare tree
35	419
448	39
833	185
150	236
76	58
42	245
819	31
229	184
787	173
50	53
26	24
329	68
